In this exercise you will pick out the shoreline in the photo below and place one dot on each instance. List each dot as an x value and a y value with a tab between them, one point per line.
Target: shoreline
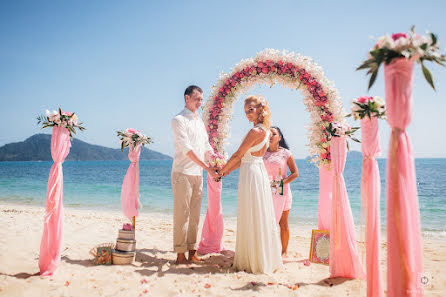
427	234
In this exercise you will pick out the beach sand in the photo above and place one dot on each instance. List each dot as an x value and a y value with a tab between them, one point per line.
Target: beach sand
154	272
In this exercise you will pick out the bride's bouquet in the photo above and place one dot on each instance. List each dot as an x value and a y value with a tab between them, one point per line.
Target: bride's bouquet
132	137
404	45
216	160
64	119
368	106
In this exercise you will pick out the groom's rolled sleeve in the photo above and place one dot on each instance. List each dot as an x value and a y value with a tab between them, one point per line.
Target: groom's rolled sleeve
182	142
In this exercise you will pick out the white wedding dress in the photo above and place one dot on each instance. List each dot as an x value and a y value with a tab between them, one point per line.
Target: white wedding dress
258	247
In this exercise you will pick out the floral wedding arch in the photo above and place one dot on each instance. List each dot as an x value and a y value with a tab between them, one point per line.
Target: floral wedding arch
290	70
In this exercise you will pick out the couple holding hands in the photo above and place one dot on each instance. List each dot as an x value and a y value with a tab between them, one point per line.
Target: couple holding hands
259	211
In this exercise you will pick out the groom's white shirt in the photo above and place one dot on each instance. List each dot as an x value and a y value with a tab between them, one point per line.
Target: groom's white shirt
189	134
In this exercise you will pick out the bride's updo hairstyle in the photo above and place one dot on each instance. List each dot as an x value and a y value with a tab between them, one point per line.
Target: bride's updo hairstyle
262	104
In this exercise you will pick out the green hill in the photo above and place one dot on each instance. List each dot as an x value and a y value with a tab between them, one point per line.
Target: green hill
37	148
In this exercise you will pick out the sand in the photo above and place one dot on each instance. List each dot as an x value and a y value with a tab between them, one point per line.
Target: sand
154	272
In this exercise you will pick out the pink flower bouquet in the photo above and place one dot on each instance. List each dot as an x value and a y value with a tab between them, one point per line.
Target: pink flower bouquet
368	106
340	129
62	119
132	137
216	160
404	45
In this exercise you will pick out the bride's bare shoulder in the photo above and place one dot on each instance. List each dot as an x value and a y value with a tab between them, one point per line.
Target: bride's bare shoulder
256	132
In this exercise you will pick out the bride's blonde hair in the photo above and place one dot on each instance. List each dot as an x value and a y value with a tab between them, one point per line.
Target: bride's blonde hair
262	104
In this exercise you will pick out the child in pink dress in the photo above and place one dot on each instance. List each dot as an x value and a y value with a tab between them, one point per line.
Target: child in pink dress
278	156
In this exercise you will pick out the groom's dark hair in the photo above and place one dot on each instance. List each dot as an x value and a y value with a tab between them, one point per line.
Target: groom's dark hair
190	89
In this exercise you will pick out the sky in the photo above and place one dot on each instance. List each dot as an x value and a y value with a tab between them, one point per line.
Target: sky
122	64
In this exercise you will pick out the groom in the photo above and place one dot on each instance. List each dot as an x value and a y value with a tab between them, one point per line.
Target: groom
191	146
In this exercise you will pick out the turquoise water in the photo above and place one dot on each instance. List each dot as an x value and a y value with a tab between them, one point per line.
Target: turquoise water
97	185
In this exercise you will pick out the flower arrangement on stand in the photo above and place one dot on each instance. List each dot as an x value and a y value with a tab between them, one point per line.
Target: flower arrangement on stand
341	129
64	125
64	119
368	110
132	137
404	45
368	106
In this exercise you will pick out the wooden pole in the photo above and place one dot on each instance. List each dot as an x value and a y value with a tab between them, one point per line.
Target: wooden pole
134	223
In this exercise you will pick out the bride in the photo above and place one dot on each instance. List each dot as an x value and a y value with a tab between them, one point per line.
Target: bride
257	248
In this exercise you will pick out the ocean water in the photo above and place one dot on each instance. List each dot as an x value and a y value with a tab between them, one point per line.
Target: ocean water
97	185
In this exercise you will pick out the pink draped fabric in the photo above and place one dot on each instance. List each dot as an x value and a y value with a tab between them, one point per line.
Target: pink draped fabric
370	195
404	249
344	258
51	244
212	233
325	197
130	185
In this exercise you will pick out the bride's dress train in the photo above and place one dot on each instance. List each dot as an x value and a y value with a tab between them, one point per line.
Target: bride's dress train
258	248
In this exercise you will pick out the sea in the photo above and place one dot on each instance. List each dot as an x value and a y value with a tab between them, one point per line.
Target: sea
97	185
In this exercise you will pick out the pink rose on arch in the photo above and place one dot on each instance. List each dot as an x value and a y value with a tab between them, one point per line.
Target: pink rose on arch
397	36
265	70
259	64
67	113
131	130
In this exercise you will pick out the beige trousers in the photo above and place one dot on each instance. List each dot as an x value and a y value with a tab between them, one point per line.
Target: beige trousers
187	194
